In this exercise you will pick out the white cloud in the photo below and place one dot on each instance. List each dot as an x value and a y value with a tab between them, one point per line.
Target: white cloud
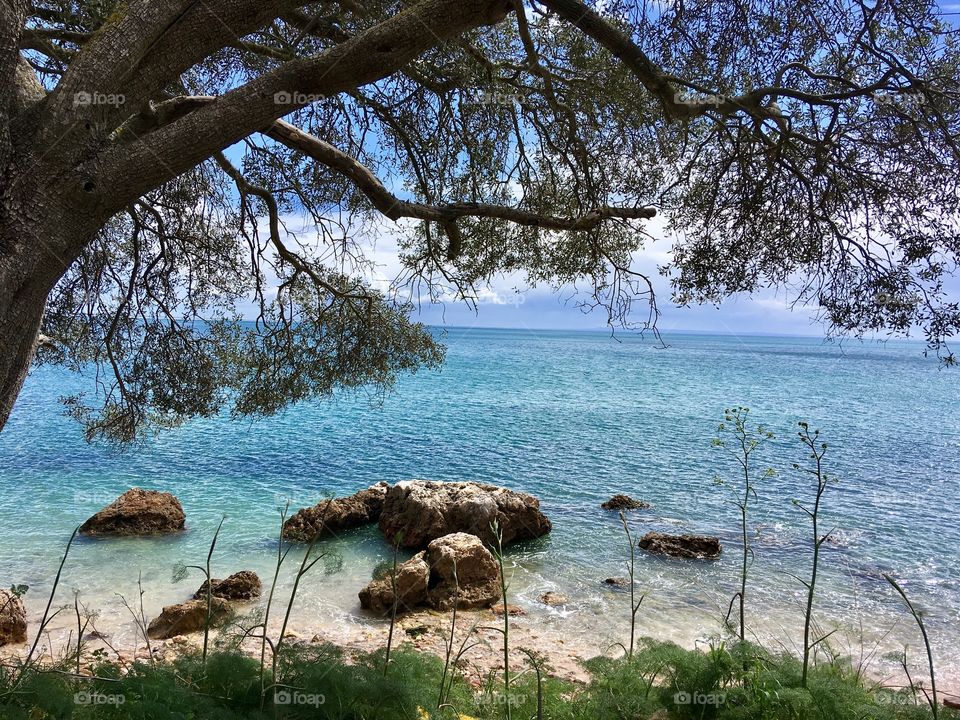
507	302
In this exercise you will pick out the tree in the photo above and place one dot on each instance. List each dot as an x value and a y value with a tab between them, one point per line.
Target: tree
141	143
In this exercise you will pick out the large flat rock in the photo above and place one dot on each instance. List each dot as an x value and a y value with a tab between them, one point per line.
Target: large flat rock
418	511
698	547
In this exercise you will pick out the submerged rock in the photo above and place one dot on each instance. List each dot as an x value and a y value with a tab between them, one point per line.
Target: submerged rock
336	515
625	502
681	546
243	585
138	512
417	630
187	617
511	609
13	618
617	581
554	598
454	569
420	511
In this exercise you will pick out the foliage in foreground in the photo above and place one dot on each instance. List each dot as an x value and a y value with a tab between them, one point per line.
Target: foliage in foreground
661	681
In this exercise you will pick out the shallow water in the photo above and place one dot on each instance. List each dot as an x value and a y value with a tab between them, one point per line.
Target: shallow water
573	418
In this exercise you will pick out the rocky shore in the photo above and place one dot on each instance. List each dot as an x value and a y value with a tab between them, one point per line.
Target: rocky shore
457	527
456	530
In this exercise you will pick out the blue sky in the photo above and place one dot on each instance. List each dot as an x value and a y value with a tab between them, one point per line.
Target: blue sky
509	303
501	305
544	310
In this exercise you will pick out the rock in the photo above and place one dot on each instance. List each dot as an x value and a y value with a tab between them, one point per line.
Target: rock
428	578
13	618
617	581
474	583
417	630
336	515
511	610
187	617
624	502
953	704
412	580
554	598
137	512
423	511
682	546
243	585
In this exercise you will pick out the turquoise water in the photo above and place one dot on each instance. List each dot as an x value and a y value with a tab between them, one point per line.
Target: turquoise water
572	417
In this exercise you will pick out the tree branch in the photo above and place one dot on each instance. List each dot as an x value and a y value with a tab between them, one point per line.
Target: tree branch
13	16
27	90
121	174
145	49
298	263
653	78
395	208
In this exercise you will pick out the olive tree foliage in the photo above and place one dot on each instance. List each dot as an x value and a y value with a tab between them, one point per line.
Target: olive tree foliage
164	161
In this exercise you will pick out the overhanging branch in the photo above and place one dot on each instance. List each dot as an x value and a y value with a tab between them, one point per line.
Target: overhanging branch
300	265
121	174
13	15
394	208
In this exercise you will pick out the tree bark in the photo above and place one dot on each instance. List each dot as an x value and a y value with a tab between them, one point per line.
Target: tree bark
20	317
40	236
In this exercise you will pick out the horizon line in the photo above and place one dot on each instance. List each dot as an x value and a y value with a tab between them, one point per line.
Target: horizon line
717	333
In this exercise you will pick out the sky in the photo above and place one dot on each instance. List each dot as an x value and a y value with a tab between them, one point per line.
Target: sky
510	303
502	305
543	310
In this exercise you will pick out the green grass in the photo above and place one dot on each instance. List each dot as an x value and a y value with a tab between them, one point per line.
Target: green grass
662	681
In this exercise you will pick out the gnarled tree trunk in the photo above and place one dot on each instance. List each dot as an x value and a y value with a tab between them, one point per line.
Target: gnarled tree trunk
40	235
21	309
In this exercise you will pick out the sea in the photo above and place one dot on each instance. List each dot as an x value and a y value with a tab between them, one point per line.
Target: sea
572	417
